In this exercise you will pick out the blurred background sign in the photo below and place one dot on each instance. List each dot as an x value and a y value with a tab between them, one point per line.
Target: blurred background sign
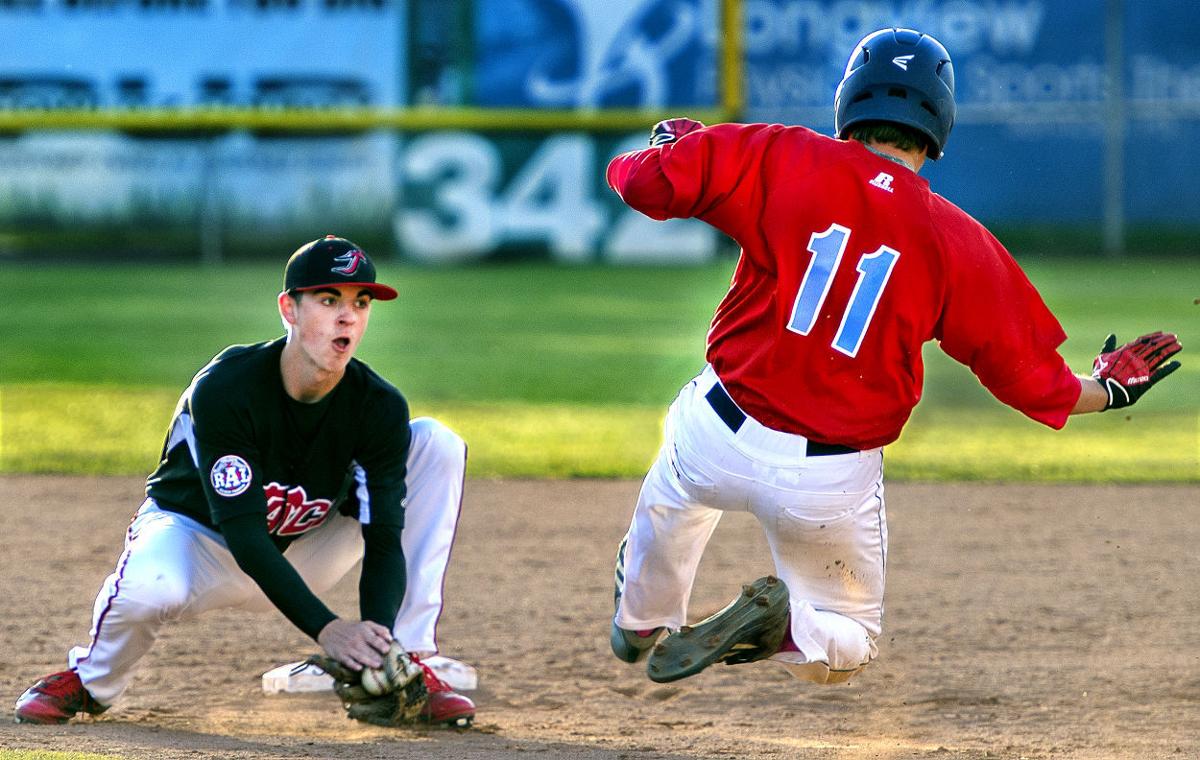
62	54
470	195
579	54
1071	115
460	130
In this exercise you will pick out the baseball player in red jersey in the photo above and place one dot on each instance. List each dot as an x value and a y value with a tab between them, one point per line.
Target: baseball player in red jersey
849	264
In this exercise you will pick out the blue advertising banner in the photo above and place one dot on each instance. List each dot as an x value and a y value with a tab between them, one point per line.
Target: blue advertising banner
1032	78
127	53
581	54
1006	52
1043	138
1163	91
1029	143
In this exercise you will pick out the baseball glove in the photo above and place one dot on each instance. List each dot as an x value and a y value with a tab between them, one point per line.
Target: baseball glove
1129	371
391	695
668	131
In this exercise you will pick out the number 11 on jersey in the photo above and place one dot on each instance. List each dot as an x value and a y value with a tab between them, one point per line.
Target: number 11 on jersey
874	271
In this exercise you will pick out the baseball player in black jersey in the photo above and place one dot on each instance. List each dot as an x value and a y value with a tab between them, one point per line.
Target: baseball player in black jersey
285	463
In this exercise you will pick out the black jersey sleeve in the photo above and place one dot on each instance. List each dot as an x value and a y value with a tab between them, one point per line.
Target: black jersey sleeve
228	457
381	465
382	459
251	546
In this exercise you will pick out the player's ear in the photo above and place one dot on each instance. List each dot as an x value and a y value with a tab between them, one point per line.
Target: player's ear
287	308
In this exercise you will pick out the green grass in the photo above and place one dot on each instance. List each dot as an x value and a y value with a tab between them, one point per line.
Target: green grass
548	371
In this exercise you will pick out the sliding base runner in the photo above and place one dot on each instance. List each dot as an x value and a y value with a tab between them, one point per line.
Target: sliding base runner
849	265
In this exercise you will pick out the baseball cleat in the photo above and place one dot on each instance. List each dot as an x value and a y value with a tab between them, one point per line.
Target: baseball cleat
445	706
632	646
628	646
56	699
752	627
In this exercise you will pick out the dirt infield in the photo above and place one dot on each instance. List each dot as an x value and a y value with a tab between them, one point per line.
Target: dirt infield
1022	621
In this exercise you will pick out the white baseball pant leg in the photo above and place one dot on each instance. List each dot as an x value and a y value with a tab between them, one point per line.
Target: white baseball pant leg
174	568
823	517
437	464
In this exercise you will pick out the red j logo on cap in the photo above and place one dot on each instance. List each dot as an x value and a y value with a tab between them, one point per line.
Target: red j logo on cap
351	261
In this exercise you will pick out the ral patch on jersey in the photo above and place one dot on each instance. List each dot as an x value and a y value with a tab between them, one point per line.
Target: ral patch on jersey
230	476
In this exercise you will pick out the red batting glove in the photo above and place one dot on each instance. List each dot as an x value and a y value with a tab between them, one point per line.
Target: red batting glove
669	130
1131	370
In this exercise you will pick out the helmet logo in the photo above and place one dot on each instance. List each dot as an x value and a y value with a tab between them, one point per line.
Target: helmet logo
902	60
350	261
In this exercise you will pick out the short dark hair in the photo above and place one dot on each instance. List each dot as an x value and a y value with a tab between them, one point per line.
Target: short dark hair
889	133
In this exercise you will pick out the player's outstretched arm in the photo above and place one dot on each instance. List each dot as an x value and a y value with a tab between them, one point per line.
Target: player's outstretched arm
1120	376
652	184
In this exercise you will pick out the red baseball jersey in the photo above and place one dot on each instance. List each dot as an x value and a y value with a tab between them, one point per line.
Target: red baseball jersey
849	264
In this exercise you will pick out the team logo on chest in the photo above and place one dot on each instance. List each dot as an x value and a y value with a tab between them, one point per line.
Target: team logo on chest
230	476
290	512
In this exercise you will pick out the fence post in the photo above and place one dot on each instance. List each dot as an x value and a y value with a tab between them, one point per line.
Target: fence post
1115	126
210	204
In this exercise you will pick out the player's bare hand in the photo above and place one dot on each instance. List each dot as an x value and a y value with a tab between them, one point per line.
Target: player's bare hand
1129	371
357	644
669	130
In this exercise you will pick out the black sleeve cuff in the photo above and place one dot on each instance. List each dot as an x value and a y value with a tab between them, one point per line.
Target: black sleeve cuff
384	578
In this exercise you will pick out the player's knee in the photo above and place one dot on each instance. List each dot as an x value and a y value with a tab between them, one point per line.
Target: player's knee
843	663
432	439
161	597
850	654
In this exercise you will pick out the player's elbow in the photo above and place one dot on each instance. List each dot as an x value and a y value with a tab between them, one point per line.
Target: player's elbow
639	181
1046	392
647	199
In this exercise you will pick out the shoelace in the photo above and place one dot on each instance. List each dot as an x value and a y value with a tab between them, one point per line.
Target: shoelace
432	682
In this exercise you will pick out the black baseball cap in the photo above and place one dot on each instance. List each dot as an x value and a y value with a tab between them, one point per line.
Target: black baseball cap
333	262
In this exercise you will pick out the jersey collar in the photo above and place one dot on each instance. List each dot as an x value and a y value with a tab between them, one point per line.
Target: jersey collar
892	158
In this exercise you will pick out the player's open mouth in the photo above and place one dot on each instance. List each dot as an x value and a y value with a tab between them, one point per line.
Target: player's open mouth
341	344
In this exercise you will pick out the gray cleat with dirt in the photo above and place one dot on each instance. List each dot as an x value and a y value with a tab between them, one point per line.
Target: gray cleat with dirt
752	627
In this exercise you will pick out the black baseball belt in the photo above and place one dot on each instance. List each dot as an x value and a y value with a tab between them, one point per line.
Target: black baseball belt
718	398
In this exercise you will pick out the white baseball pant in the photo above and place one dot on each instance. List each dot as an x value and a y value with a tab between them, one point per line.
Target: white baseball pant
823	517
174	568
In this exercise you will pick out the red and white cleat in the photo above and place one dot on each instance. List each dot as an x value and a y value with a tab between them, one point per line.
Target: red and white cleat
445	706
56	699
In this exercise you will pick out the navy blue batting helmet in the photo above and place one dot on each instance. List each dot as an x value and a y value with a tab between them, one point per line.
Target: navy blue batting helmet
902	76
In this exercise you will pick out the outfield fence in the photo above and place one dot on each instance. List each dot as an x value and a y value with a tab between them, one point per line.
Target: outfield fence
462	130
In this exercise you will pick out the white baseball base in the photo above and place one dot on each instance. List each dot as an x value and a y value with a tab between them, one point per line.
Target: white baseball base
301	677
296	677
